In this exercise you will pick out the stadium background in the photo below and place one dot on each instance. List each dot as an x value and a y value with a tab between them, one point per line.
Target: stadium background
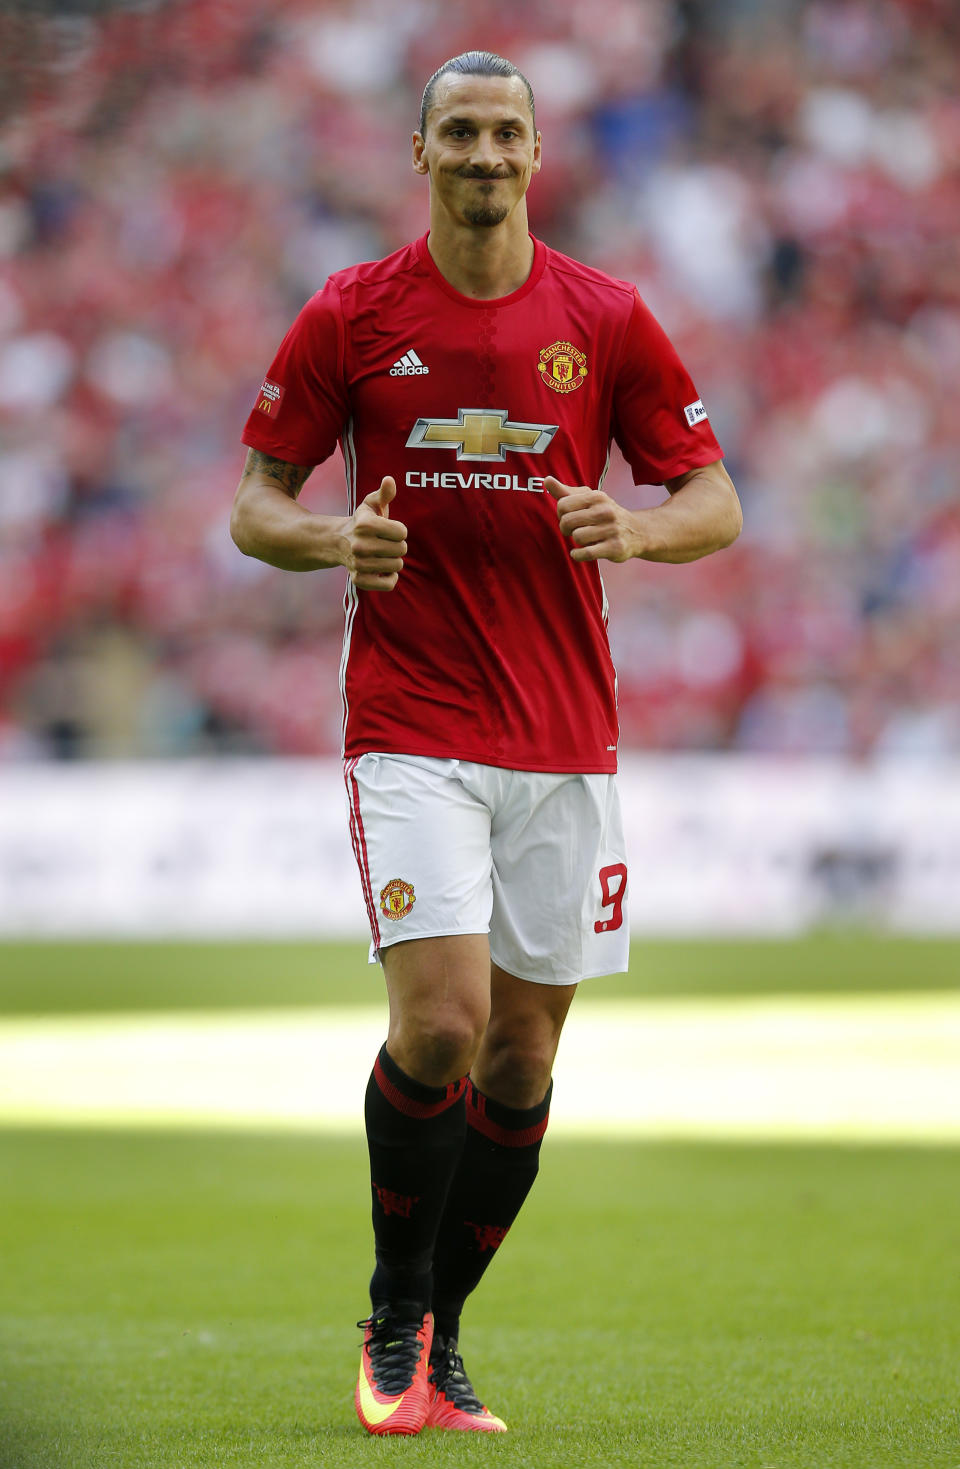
183	1228
781	180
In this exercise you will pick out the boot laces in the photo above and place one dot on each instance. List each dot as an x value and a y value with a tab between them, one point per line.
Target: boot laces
394	1350
448	1376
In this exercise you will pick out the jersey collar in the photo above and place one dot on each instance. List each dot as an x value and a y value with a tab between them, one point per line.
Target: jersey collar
536	271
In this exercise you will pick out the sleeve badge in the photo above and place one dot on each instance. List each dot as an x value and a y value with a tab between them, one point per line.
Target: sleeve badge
269	398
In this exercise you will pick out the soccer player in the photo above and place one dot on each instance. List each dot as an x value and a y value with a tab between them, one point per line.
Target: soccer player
474	381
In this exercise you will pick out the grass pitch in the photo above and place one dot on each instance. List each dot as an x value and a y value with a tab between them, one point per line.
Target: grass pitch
41	976
190	1301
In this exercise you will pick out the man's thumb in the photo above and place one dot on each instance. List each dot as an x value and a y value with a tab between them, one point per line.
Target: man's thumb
554	487
380	499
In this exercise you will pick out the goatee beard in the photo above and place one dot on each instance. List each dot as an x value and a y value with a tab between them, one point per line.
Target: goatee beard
486	215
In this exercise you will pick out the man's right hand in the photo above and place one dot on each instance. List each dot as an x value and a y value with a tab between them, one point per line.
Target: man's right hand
375	545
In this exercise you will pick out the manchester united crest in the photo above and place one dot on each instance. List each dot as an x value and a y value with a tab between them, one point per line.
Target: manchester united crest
562	367
397	898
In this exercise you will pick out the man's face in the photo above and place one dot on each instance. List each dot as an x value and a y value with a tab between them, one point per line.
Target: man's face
480	149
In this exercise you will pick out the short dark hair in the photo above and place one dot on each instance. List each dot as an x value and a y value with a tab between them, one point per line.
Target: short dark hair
473	64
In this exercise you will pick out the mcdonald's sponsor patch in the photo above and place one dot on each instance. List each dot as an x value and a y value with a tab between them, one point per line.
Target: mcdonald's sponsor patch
269	398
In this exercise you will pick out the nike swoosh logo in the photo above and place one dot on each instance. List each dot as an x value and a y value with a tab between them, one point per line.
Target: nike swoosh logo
374	1412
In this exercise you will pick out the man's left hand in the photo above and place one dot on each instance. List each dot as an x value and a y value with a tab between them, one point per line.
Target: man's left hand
601	530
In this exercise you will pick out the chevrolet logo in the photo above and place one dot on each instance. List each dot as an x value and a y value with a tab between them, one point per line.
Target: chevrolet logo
481	433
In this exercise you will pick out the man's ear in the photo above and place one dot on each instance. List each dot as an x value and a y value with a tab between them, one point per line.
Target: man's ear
535	168
419	162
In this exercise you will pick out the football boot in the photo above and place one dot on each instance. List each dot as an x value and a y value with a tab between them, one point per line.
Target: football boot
453	1402
392	1395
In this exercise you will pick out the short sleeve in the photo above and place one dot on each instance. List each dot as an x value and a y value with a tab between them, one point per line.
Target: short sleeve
658	419
302	407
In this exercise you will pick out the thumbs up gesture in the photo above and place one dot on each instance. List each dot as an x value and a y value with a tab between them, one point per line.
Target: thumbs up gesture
375	545
600	529
379	501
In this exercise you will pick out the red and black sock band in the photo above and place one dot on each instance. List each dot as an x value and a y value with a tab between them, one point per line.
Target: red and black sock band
511	1127
413	1098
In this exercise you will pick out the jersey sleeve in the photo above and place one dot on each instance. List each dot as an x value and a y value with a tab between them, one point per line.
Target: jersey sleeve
301	407
659	422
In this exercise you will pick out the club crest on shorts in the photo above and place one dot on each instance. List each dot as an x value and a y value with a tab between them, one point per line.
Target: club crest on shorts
562	367
397	898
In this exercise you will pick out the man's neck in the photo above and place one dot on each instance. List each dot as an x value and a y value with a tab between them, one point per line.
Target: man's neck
484	264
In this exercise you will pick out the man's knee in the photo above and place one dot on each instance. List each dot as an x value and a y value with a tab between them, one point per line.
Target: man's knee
439	1005
437	1045
515	1067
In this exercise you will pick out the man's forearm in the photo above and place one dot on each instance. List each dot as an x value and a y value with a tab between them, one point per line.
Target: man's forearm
268	524
702	515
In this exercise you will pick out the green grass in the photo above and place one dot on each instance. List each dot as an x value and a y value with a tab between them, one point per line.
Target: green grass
36	977
189	1301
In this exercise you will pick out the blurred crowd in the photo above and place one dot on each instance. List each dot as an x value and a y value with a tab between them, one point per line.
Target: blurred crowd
782	182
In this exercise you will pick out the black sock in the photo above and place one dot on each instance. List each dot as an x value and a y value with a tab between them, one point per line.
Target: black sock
415	1136
497	1168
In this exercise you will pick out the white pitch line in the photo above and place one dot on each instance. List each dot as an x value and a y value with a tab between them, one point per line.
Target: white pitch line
878	1067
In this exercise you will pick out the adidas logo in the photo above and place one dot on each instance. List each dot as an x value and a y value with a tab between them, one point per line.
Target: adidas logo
408	366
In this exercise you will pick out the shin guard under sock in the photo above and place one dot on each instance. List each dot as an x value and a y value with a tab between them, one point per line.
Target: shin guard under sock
415	1137
499	1162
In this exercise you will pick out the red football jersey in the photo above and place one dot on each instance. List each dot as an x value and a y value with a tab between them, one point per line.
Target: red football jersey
493	645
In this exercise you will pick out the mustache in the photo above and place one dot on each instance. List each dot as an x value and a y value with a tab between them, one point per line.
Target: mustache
478	173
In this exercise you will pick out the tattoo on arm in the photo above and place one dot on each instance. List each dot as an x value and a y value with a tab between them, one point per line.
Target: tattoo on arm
289	477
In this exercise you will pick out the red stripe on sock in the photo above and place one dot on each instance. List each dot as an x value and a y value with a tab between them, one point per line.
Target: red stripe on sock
507	1137
407	1105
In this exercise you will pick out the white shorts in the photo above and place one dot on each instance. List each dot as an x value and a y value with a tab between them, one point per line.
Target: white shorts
535	860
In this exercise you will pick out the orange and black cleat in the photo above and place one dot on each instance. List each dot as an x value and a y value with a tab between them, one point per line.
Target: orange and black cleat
453	1402
392	1395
